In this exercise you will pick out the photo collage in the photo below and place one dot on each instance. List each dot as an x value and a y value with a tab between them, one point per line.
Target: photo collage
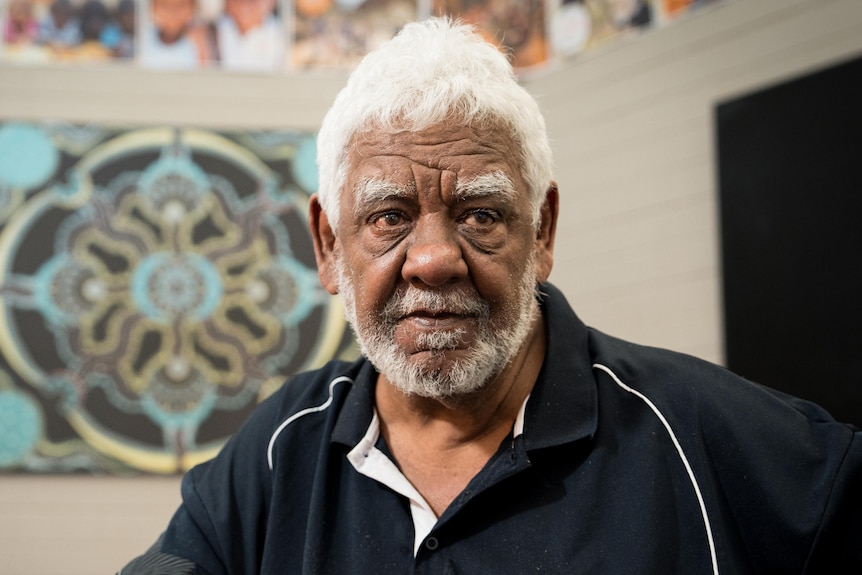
277	36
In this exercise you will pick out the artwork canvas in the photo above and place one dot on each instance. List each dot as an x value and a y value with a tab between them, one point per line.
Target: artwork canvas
156	284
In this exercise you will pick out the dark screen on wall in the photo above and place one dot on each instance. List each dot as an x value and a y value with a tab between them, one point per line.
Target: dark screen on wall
790	186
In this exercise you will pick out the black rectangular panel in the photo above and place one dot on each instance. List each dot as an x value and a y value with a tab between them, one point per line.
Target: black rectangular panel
790	184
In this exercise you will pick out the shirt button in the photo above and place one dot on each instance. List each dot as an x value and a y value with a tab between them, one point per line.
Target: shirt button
431	543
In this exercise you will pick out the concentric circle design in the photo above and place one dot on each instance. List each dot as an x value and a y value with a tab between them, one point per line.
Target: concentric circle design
167	286
155	292
305	164
27	156
20	427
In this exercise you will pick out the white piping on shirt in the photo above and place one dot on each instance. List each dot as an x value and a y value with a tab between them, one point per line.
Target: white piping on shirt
682	456
299	414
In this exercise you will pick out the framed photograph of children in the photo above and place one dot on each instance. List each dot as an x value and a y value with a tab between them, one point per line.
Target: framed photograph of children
336	34
68	30
246	35
516	26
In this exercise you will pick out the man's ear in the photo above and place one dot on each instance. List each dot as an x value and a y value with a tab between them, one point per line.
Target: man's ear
324	240
546	233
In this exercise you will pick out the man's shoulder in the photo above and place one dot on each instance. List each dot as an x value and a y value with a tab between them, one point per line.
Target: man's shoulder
297	393
307	392
634	361
310	388
684	384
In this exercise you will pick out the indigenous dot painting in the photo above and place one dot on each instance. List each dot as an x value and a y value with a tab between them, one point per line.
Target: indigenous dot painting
155	285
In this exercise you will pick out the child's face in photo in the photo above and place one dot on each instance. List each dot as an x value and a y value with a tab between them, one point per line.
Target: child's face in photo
61	12
248	14
20	11
172	17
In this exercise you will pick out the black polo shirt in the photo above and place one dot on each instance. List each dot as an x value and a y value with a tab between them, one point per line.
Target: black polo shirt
625	459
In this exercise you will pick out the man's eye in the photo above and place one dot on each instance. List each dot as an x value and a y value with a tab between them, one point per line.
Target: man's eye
480	218
388	220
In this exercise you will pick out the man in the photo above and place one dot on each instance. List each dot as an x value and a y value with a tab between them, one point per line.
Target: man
486	429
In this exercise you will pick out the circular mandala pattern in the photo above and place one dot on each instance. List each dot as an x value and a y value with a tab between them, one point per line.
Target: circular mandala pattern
175	401
74	289
174	186
167	286
156	292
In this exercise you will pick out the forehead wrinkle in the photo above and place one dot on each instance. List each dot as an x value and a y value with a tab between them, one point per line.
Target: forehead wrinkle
495	184
371	191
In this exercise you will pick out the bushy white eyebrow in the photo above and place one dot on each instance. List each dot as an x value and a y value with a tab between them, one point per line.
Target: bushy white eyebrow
495	184
371	191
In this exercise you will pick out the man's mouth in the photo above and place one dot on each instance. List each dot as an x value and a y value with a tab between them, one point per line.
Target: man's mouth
434	320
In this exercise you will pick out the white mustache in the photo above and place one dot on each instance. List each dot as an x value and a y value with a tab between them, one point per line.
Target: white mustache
414	300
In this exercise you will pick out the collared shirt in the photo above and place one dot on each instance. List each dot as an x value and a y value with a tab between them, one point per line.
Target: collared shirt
625	459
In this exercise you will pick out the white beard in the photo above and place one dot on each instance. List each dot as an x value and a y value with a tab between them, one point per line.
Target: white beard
498	340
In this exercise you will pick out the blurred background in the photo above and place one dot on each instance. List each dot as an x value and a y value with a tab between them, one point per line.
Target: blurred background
156	275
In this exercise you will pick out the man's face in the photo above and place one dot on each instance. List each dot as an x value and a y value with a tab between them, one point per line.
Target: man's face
435	256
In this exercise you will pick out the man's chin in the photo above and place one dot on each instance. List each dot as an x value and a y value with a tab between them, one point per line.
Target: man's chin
439	377
439	390
437	360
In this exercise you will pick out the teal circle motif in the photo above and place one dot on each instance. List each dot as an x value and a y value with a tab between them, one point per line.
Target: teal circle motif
305	165
27	156
20	427
166	286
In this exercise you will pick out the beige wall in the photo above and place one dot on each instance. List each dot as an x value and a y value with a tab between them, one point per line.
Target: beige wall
80	525
637	247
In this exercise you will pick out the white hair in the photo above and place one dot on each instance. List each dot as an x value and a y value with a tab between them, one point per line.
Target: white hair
432	71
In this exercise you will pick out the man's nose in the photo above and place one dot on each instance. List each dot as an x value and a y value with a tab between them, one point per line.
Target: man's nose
434	256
